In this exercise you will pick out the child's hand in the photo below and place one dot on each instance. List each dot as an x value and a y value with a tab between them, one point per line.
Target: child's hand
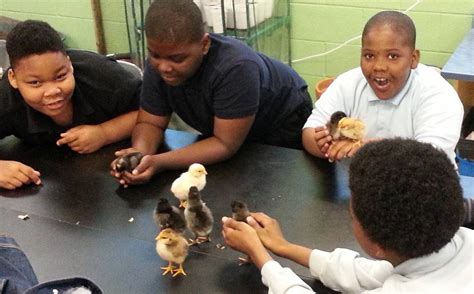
322	138
83	139
242	237
268	231
15	174
346	148
140	175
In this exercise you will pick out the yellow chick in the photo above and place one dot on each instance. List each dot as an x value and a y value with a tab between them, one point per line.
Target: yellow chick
195	176
352	128
342	127
172	247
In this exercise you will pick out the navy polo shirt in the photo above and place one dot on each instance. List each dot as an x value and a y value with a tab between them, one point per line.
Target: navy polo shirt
233	81
103	90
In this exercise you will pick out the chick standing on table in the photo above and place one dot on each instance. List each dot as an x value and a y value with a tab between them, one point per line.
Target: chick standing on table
168	216
342	127
240	212
172	247
198	217
195	176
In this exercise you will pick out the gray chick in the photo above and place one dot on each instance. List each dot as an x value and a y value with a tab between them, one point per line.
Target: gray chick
128	162
198	217
240	212
168	216
333	124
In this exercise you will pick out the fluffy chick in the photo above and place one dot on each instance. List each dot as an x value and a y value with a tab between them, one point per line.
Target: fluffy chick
342	127
195	176
172	247
168	216
198	217
240	212
333	123
128	162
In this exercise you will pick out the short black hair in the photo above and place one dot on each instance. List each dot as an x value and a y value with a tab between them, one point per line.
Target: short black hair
406	195
174	21
399	22
32	37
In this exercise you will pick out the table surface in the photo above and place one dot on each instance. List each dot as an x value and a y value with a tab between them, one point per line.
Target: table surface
460	65
80	224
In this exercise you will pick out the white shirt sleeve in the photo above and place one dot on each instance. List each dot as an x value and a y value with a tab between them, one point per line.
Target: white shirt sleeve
281	280
345	271
437	118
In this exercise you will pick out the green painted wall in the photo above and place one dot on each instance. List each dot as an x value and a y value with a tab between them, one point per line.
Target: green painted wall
320	25
317	27
74	19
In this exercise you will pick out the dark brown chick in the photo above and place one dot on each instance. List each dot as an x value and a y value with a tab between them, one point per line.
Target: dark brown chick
240	212
168	216
128	162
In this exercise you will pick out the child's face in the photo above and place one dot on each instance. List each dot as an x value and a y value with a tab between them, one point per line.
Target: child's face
386	60
177	62
46	82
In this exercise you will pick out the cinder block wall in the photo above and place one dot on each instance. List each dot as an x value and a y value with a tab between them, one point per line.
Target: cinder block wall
321	25
74	19
317	27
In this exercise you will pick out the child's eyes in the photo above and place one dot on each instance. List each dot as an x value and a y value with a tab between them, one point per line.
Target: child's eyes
34	83
61	76
177	59
368	56
392	56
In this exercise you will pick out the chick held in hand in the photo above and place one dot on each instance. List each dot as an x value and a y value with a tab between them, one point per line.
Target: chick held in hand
240	212
172	247
128	162
342	127
195	176
168	216
198	217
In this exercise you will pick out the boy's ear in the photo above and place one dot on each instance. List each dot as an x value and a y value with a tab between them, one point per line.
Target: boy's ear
12	78
206	43
415	58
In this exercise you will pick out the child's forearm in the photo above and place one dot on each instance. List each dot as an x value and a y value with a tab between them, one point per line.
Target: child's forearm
296	253
120	127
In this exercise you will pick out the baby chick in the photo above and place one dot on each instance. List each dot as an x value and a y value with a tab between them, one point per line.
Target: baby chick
240	212
342	127
167	216
172	247
198	217
333	123
195	176
128	162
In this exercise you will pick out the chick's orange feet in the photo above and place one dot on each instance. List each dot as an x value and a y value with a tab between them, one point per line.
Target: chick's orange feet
183	203
178	271
168	269
199	240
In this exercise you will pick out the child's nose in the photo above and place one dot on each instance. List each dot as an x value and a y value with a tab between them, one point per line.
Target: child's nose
380	64
52	91
163	66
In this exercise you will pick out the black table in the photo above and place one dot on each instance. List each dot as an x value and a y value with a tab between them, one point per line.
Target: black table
81	220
